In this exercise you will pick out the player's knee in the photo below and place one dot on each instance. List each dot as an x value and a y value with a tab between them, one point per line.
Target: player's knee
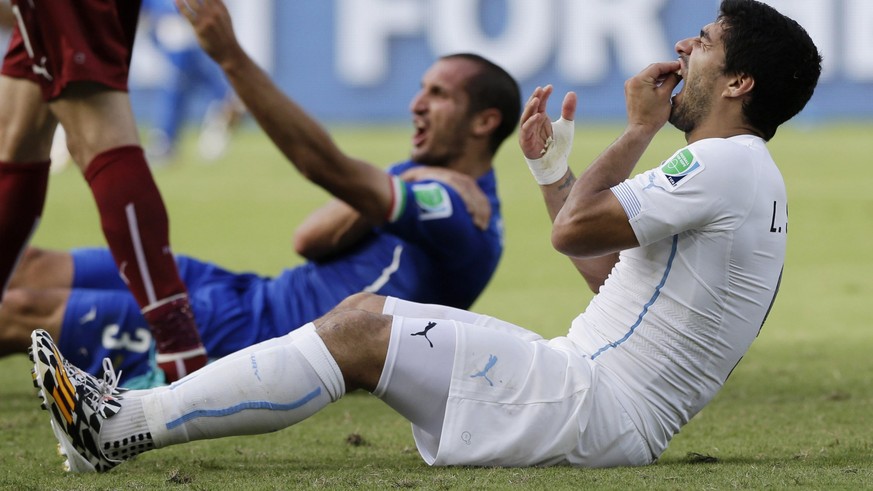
358	341
354	326
369	302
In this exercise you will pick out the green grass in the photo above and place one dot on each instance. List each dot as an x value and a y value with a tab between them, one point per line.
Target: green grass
795	414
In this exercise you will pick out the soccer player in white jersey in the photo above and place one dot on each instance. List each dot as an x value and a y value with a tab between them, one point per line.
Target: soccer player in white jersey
686	259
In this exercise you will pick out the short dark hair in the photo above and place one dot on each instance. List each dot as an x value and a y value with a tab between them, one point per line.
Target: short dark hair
493	87
777	53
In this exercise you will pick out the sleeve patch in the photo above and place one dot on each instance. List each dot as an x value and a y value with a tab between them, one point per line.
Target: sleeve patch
681	167
433	201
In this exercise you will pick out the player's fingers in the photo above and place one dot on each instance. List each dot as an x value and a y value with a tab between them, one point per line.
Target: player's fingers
544	98
669	83
530	108
535	95
657	71
568	108
478	207
531	124
533	135
658	78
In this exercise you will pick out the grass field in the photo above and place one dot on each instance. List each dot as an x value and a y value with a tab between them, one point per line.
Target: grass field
796	413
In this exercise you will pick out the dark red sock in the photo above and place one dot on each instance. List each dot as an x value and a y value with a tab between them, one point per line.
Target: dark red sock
22	196
135	223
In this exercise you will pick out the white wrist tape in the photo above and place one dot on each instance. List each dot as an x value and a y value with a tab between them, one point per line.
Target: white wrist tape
552	164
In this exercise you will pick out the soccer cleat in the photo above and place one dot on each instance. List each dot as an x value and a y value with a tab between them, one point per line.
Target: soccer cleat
79	403
180	350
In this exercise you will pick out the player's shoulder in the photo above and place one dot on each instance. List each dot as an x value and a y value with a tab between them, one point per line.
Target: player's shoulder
398	168
719	159
736	150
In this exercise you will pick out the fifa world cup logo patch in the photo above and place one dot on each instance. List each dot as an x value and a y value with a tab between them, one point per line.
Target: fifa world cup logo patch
681	166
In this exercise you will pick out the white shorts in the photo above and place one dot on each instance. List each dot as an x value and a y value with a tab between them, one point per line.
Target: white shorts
516	399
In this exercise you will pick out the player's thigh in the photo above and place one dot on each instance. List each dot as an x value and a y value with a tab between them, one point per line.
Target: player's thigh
513	401
95	119
26	124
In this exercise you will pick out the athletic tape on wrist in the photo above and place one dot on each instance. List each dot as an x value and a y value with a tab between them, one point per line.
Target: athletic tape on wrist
552	165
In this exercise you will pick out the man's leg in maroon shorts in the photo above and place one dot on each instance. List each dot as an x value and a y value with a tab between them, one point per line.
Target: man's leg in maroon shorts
103	140
26	129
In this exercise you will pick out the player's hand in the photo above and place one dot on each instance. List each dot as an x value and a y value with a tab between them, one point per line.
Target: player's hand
474	198
546	144
647	95
213	27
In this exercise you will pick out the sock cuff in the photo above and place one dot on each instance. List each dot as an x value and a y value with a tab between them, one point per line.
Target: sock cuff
103	160
312	347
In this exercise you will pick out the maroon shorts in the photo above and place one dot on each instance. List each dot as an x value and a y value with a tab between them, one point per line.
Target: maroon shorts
63	41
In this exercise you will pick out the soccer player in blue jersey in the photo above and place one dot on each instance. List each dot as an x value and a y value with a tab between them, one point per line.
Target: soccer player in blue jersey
429	229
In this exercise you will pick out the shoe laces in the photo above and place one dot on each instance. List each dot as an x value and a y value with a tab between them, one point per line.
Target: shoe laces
101	389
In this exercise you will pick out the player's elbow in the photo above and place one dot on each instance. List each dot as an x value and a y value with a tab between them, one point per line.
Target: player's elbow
302	247
306	244
571	239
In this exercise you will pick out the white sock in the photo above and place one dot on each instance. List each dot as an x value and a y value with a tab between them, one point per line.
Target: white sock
126	434
263	388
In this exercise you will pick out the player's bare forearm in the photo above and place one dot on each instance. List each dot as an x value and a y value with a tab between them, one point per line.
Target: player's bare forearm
297	135
555	195
615	164
329	230
593	269
300	138
308	145
592	222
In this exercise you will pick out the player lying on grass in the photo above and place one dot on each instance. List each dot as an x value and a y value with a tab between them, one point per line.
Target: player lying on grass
429	230
686	259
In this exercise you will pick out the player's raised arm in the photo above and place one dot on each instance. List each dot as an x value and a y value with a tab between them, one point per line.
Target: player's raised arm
302	139
546	147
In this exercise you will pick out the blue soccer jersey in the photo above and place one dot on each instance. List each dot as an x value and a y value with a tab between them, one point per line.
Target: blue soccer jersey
429	251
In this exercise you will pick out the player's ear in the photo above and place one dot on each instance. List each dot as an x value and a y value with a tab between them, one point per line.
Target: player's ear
486	121
739	85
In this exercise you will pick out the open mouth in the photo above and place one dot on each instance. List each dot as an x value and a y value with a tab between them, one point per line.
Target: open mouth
418	136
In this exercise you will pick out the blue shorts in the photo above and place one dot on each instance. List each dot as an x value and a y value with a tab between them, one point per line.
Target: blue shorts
102	319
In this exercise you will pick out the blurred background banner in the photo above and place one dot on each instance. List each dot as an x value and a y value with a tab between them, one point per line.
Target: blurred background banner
360	61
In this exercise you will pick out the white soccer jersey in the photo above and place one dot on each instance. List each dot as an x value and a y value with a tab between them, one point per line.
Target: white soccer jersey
678	313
